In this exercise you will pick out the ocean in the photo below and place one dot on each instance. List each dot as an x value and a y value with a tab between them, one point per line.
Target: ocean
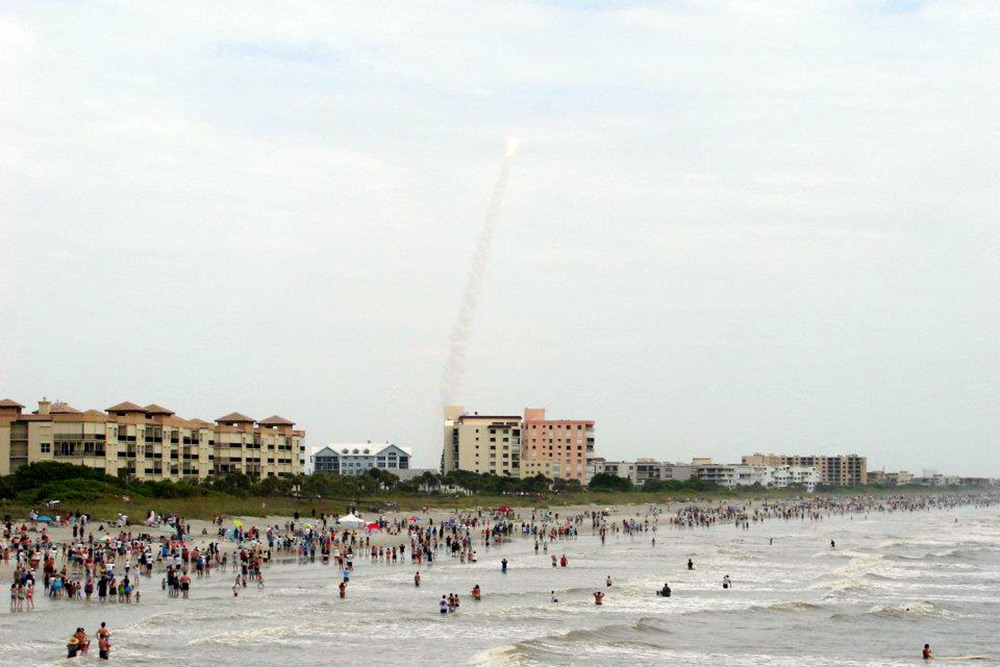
894	582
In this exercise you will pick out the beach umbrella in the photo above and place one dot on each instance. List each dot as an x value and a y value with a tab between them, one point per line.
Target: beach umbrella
46	519
414	518
237	523
374	526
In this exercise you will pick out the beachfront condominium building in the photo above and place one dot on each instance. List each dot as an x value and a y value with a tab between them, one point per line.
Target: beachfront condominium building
502	444
565	442
481	443
148	442
355	459
841	470
766	476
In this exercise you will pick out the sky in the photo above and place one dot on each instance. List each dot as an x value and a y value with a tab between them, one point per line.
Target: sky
730	227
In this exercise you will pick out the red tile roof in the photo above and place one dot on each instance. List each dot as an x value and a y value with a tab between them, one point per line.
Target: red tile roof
126	406
154	409
60	408
234	417
275	420
8	403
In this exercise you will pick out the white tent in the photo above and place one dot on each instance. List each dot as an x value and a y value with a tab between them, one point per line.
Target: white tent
351	521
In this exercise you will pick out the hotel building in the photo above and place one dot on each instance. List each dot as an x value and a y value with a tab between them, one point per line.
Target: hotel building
356	459
843	470
516	445
148	442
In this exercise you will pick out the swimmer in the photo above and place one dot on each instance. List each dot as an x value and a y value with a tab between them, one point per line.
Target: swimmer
608	582
833	545
665	591
342	587
598	598
443	604
477	593
726	583
554	598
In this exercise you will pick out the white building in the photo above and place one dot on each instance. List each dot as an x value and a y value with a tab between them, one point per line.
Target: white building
355	459
769	477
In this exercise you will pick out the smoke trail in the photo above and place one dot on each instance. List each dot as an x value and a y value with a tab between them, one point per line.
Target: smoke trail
455	369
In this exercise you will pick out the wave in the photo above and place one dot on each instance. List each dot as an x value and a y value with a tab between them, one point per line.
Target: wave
788	606
922	608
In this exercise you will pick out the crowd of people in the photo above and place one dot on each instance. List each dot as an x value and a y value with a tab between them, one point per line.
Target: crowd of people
111	559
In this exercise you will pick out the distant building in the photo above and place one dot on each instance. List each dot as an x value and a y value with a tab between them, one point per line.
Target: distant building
148	442
355	459
842	470
766	476
481	443
565	442
516	445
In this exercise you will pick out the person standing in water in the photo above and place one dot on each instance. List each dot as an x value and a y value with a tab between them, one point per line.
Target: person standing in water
598	598
503	566
690	564
416	579
608	582
833	545
927	652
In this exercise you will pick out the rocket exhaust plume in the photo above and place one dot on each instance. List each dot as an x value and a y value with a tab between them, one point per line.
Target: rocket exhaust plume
455	369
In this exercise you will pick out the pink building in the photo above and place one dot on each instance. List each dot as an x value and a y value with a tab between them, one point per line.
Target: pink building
566	443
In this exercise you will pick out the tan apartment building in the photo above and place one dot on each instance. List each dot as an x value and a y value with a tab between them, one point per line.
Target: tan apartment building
481	443
149	442
840	470
515	445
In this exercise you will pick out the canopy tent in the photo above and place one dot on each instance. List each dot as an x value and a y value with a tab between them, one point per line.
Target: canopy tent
351	521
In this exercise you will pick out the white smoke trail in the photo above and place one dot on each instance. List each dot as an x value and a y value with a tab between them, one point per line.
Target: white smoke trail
455	369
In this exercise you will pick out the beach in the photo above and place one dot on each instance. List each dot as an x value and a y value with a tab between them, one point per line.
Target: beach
892	582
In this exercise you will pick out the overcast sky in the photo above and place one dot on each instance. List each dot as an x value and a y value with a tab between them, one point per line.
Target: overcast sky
731	227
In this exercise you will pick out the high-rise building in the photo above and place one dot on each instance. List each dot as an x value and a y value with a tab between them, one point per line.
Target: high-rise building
504	444
841	470
481	443
566	442
148	442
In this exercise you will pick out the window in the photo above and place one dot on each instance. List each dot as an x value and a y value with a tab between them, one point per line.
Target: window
46	447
